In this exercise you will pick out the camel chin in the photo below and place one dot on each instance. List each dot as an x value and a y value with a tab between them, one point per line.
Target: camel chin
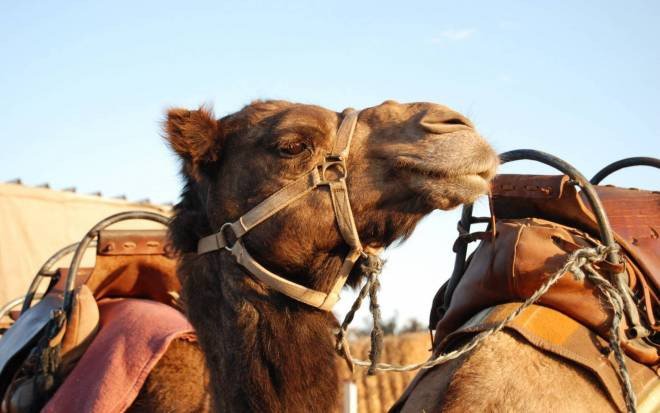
446	193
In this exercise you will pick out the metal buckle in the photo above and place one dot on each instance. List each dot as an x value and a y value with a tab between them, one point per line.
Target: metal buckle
222	232
336	164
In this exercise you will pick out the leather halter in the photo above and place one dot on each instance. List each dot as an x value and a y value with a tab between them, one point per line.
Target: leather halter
332	172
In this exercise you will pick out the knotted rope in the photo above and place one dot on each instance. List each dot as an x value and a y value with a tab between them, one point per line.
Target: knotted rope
371	266
580	263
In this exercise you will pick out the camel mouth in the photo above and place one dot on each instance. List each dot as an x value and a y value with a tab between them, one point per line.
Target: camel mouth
416	166
452	155
481	167
445	186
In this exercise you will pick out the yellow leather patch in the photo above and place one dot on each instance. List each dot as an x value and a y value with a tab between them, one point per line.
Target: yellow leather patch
545	325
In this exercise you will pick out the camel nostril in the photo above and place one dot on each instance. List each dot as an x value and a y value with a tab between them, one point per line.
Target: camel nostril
455	121
438	124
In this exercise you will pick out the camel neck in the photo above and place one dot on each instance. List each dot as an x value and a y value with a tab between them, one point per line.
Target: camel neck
264	351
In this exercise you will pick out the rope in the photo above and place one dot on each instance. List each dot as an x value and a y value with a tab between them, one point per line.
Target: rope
618	306
579	263
371	266
376	331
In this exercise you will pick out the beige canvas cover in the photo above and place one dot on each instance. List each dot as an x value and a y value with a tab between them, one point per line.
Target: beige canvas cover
36	222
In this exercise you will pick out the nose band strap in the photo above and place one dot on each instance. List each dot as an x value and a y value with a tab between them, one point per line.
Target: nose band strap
332	172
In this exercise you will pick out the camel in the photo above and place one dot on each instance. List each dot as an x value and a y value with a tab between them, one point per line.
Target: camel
264	350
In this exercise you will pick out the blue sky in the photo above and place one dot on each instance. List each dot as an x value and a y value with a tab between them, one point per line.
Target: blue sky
84	85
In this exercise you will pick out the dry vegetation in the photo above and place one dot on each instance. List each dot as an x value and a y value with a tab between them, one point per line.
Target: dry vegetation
378	393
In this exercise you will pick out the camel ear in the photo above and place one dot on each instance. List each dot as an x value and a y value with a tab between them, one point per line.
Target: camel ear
194	135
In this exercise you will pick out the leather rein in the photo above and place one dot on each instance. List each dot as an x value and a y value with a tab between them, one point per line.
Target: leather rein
331	172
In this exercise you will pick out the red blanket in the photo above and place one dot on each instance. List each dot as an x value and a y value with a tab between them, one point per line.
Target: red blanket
133	336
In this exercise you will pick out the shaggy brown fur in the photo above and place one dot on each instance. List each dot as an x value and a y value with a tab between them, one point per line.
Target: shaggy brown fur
177	384
264	351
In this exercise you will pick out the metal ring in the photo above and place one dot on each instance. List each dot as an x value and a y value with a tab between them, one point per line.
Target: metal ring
222	232
336	163
90	236
624	163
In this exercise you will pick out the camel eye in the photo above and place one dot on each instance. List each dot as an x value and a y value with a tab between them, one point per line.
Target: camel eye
292	148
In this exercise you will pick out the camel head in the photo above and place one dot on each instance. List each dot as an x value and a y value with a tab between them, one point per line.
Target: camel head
405	161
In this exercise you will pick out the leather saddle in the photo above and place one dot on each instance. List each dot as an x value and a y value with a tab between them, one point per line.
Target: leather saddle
540	220
633	213
129	263
537	221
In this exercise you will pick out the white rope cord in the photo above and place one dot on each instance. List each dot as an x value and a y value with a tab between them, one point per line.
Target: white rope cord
579	263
